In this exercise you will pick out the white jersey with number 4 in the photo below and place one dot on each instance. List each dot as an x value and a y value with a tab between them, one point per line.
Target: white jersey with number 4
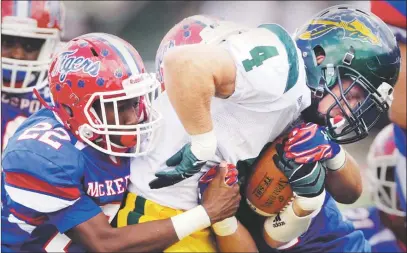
270	93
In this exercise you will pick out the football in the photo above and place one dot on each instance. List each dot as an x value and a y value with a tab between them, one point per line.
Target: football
268	190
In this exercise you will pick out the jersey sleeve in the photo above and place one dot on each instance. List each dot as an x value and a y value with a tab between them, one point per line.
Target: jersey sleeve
267	66
36	182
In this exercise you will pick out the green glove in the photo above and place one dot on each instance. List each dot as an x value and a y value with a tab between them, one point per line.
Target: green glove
245	167
186	165
306	180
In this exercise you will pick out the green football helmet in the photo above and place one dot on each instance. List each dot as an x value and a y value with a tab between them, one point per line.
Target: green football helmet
342	43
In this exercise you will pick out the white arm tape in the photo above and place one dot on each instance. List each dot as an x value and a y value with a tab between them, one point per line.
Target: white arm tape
337	162
190	221
311	204
226	227
286	226
203	146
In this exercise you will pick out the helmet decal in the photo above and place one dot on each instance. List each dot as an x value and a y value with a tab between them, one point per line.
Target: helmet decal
67	63
352	57
355	29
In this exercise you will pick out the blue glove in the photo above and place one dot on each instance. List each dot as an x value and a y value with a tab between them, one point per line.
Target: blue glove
310	143
231	179
306	180
186	165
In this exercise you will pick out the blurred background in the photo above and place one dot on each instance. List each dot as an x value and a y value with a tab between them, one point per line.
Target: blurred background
144	23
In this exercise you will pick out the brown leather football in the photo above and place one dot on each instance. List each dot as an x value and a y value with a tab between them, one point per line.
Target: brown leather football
268	190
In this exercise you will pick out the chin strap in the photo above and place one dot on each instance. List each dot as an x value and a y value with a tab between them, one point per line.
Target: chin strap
42	101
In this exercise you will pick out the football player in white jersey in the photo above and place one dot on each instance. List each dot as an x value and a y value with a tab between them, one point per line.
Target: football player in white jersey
243	126
234	89
353	61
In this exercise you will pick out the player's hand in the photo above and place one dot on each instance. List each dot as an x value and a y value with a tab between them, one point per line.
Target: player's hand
310	143
306	180
186	165
230	179
220	200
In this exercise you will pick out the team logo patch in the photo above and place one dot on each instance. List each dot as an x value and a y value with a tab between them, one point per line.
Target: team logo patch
354	29
67	63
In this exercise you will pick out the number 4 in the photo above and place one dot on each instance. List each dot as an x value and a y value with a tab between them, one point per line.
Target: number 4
259	55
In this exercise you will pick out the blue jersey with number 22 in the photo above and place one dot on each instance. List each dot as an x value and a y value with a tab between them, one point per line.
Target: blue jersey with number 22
52	183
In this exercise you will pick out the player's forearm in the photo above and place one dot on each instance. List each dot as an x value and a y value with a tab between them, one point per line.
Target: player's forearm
292	222
239	241
97	235
146	237
345	184
190	87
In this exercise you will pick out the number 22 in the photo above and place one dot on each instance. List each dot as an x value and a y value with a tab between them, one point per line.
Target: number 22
259	55
32	133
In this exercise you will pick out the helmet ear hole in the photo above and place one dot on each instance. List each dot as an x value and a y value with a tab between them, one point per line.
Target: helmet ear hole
319	54
68	110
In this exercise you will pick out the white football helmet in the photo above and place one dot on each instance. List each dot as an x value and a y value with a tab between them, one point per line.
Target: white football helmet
382	160
35	20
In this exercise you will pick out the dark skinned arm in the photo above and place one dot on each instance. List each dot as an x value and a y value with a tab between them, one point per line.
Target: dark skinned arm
97	235
220	201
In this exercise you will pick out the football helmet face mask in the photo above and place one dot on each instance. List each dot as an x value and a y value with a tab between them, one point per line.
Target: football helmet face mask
40	22
194	30
104	70
382	160
356	46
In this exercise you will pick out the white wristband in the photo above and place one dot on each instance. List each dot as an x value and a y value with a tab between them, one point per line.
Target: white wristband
190	221
226	227
203	146
287	226
311	204
337	162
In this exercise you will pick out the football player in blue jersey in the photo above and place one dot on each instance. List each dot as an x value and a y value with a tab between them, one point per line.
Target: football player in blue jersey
66	168
30	34
383	224
394	14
